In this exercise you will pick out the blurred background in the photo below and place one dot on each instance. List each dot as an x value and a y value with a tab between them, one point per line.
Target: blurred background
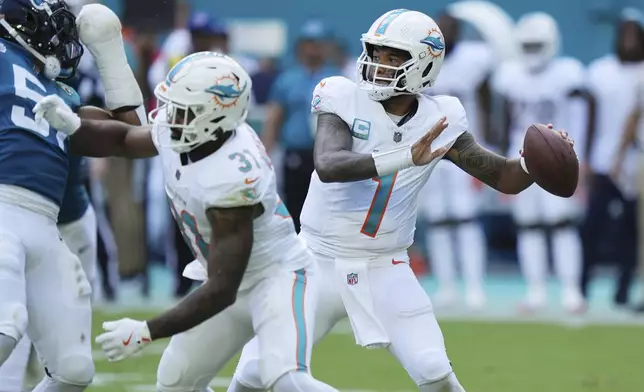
486	267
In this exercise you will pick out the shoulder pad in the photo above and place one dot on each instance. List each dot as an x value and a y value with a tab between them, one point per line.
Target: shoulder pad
330	93
575	73
453	110
238	182
503	76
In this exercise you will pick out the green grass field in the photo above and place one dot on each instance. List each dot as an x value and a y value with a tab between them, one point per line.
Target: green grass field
488	357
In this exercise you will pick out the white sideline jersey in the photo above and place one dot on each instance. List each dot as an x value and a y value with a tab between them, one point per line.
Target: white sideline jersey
540	97
239	174
464	70
374	217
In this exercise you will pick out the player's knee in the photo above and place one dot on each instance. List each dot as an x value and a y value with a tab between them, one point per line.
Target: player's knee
75	370
430	366
447	384
248	374
173	372
300	381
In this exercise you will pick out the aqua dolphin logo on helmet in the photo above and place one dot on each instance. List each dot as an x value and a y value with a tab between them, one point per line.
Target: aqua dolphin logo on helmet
435	43
226	91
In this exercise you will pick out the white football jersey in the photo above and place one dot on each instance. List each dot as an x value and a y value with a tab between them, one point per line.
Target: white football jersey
239	174
541	97
462	73
373	217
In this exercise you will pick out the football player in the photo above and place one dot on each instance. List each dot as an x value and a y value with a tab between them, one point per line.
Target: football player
259	276
451	197
377	142
541	88
44	291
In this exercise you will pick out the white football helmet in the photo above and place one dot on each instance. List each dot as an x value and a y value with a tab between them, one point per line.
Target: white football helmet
412	32
538	37
204	94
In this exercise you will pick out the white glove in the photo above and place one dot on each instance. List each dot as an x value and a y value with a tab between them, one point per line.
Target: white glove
99	30
55	111
123	338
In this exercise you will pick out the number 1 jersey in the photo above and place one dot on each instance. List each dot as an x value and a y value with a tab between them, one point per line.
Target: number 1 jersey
239	174
373	217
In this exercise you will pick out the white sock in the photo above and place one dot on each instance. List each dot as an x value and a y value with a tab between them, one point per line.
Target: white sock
566	249
441	251
532	250
472	248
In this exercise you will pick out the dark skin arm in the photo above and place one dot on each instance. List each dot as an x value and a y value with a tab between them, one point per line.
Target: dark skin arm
101	138
230	247
503	174
332	155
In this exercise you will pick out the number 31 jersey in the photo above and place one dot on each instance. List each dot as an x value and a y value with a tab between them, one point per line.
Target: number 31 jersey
238	174
33	156
373	217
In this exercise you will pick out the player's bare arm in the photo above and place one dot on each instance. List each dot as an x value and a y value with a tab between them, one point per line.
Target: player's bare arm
335	162
500	173
230	247
101	138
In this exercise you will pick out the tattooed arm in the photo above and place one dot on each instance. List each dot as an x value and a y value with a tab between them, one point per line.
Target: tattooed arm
230	246
503	174
334	160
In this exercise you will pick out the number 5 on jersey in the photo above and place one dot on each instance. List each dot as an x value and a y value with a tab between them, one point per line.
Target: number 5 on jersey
378	204
21	80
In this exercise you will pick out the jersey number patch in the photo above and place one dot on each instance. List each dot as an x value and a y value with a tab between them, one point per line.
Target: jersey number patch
21	80
187	221
378	204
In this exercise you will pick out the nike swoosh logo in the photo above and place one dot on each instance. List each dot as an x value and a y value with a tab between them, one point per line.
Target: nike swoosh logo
249	181
395	262
127	342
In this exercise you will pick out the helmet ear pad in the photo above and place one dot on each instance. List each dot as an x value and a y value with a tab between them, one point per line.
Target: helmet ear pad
48	30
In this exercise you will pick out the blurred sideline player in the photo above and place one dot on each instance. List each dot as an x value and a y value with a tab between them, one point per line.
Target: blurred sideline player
56	298
377	143
612	197
259	276
540	88
451	199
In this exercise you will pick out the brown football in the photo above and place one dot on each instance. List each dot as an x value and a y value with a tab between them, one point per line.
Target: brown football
551	160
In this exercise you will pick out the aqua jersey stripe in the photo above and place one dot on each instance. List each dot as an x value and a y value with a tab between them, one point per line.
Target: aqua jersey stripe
299	290
386	21
378	204
177	67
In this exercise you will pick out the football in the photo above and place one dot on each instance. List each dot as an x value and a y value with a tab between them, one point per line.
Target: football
551	160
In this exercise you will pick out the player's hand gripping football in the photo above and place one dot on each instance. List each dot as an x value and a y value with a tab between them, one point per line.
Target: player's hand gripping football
421	151
123	338
55	111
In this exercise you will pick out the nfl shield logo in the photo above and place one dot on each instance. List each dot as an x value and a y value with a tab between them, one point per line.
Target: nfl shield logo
352	279
397	137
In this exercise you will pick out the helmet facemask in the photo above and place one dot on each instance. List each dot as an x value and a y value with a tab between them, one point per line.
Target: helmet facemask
376	75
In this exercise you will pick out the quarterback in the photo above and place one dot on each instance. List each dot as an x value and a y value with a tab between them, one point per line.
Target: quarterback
44	292
258	275
373	153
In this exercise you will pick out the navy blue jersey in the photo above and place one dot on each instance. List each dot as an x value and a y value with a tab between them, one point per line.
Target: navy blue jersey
76	199
32	156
